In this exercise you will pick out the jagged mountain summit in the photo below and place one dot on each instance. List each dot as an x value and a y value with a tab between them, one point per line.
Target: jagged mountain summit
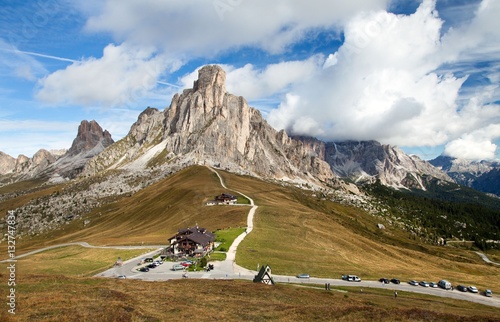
480	175
90	140
208	125
59	165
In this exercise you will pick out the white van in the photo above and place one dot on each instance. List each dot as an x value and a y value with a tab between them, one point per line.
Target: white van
445	284
353	278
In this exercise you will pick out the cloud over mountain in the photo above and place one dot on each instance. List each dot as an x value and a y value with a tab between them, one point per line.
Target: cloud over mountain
384	85
401	79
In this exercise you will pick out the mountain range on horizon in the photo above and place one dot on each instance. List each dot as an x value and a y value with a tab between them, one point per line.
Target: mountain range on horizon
208	125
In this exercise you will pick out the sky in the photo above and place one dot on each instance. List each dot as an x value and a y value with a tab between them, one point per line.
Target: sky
420	74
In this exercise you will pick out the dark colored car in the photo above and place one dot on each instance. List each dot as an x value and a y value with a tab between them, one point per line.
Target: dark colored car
143	269
152	265
462	288
424	284
395	281
384	280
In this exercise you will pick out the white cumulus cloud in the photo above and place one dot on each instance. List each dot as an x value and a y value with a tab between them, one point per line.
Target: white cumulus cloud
121	75
383	84
476	145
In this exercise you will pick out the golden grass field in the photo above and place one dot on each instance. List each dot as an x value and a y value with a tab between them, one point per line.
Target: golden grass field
294	232
74	260
63	298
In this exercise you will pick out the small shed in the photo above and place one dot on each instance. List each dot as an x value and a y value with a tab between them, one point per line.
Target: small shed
264	276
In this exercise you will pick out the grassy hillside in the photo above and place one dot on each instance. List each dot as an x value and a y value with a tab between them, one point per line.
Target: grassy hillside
295	232
151	215
63	298
74	261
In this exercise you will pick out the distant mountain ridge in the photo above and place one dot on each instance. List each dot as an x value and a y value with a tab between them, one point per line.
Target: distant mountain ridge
480	175
369	161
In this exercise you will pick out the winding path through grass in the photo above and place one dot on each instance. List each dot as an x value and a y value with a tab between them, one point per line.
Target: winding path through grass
229	263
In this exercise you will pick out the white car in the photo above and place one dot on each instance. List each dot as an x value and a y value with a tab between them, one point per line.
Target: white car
121	277
413	282
432	284
472	289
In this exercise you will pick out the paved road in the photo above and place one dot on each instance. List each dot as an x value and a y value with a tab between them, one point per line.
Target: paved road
222	271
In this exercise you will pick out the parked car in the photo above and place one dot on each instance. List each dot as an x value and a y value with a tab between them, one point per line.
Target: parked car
177	267
143	269
303	276
472	289
395	281
384	280
445	284
462	288
353	278
121	277
432	284
413	282
148	260
424	284
488	293
152	265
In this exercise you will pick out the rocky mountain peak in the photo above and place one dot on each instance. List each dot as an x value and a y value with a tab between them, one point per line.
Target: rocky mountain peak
90	134
209	77
207	125
7	163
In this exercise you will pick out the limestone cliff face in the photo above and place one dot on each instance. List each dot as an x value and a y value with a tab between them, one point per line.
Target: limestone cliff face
90	134
7	163
370	160
206	124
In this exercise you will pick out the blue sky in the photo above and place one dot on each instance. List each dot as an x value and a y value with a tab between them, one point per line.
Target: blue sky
423	75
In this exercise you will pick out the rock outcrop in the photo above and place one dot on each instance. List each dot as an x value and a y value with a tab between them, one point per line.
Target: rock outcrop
90	140
90	135
7	163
